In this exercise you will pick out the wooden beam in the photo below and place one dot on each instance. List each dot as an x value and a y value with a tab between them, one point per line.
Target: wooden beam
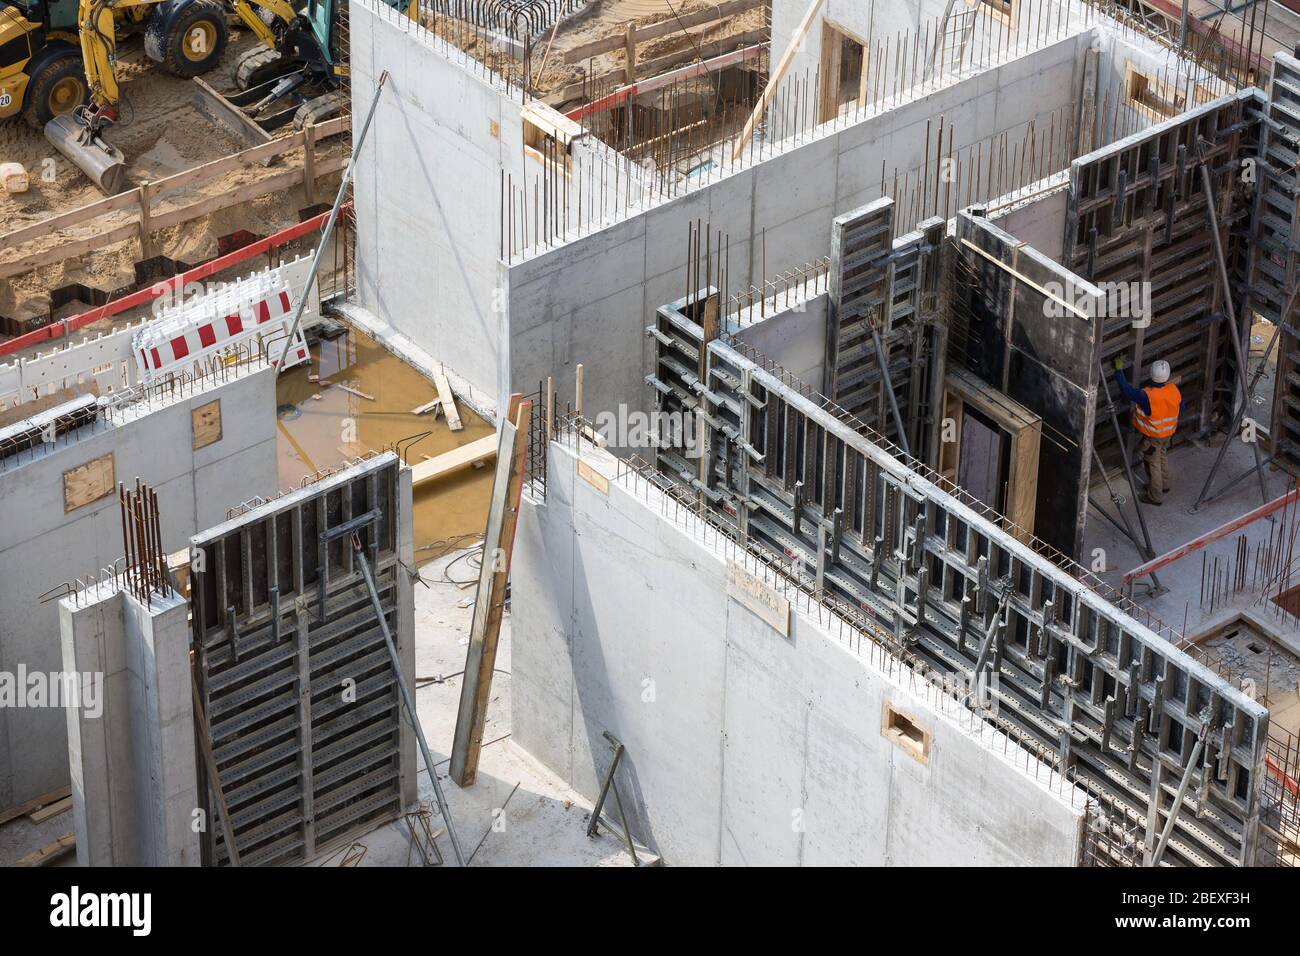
258	156
50	852
50	810
498	546
35	803
484	449
580	54
777	75
448	400
748	49
1191	547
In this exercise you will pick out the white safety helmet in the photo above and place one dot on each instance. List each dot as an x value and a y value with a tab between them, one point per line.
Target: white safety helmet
1160	372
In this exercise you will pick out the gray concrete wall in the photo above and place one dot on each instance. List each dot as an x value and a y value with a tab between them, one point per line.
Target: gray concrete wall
428	190
132	764
589	300
427	193
1040	221
743	745
795	338
42	546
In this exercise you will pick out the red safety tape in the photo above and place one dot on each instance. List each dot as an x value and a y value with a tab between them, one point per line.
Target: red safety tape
65	326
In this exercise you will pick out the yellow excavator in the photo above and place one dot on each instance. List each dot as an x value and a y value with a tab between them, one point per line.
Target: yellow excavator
57	59
186	36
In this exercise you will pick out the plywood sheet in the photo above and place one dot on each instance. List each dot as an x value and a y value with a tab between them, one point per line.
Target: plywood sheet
205	421
88	482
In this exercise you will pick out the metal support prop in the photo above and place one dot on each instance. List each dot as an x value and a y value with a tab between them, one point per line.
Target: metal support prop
406	696
605	788
1241	409
210	765
1143	549
1128	468
1178	802
329	226
883	358
1230	314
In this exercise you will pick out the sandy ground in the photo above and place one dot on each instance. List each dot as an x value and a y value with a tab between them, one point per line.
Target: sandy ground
161	134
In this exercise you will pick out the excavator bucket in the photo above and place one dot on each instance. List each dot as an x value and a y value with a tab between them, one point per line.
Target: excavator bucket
93	155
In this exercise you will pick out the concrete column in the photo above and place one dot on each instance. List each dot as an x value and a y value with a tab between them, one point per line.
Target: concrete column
163	731
92	636
131	733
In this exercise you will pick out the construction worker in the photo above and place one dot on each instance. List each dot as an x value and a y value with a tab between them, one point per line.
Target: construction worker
1155	416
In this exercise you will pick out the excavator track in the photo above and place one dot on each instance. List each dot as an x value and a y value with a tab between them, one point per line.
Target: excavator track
321	108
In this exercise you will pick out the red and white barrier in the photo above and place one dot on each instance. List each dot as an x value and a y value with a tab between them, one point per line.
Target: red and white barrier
256	311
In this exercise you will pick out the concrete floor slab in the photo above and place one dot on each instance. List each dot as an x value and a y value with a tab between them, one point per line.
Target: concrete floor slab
1181	603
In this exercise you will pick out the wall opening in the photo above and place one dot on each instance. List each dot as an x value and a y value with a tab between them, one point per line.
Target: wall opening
904	731
844	69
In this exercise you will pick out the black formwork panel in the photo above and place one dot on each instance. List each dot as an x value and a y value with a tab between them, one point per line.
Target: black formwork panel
303	705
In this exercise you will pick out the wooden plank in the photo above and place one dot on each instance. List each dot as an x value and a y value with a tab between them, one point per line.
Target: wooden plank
746	49
50	852
498	545
778	74
579	54
64	219
69	250
259	155
50	810
35	803
205	424
484	449
88	482
426	407
262	187
448	400
551	122
353	391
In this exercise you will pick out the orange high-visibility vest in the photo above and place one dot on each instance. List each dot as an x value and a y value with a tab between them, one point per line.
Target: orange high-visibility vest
1163	420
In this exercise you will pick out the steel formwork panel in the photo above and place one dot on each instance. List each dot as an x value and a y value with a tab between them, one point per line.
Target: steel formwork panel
945	585
1272	277
302	697
1137	215
878	282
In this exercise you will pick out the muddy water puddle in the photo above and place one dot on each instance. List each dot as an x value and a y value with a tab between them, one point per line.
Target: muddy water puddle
362	402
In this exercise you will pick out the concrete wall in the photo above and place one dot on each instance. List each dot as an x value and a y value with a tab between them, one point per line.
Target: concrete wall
743	746
134	786
864	20
42	546
1040	221
427	193
428	200
589	300
795	338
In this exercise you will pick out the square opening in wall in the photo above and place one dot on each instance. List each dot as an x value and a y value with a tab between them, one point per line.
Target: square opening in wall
907	733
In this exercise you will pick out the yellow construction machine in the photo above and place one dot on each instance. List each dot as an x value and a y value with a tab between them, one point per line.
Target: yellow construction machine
57	59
